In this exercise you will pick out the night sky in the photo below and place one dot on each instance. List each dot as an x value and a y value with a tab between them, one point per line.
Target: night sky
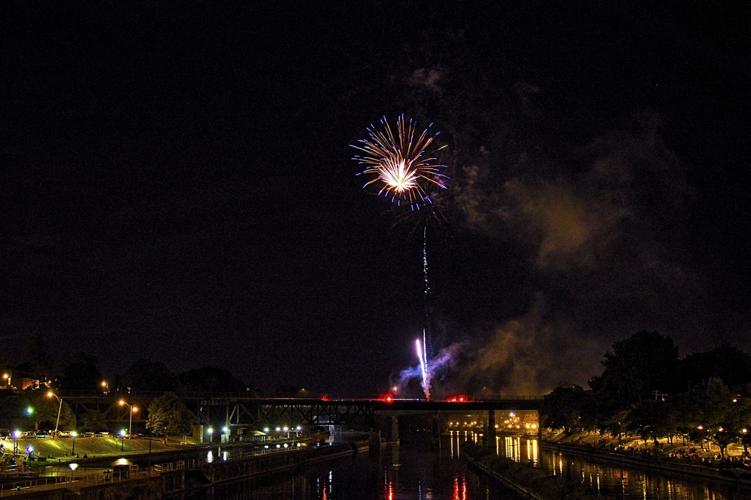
177	185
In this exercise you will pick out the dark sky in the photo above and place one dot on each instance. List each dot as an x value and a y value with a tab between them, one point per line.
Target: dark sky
177	185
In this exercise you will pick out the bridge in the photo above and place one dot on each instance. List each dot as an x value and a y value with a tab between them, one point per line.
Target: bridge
243	410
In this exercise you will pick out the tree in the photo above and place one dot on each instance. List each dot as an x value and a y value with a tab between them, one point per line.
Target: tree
562	408
638	366
168	416
93	421
729	364
651	419
148	375
44	412
720	420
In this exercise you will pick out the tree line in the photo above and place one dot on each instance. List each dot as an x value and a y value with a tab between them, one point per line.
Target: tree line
645	389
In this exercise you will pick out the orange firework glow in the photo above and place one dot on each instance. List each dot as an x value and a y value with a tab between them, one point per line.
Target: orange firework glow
403	165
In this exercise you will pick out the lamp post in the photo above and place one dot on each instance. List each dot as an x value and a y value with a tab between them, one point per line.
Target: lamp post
132	410
51	394
73	435
16	435
73	467
7	377
105	386
210	432
122	439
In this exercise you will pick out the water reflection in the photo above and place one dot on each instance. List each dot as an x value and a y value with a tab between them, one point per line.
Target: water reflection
425	474
394	473
607	481
459	492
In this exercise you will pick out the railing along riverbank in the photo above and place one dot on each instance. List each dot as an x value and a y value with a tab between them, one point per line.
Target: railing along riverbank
723	475
172	477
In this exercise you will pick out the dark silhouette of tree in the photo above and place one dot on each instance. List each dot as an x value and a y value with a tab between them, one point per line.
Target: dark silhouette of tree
729	364
651	419
637	367
44	416
562	408
93	421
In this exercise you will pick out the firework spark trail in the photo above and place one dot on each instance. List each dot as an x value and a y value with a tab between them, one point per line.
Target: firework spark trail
404	166
433	367
425	374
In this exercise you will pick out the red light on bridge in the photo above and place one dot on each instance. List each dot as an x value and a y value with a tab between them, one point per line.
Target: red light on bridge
388	398
459	398
324	397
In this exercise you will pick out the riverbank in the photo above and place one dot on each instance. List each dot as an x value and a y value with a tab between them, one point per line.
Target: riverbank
523	479
64	450
179	478
732	477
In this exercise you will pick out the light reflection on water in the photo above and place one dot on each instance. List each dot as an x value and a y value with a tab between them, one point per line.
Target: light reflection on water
609	481
396	473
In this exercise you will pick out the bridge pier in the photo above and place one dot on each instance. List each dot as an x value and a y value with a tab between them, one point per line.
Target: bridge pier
435	427
490	430
395	428
539	428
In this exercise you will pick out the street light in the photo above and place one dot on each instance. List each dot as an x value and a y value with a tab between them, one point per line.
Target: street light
7	378
122	439
73	435
132	410
16	436
105	386
210	432
51	394
73	466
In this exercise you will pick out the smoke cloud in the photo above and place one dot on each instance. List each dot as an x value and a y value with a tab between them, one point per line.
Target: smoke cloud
601	233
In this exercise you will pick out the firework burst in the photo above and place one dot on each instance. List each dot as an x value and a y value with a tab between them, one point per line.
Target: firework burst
402	164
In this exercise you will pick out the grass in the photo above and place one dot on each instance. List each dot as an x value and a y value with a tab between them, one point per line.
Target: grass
61	448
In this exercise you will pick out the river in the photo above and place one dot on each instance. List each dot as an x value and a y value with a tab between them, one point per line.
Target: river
417	472
396	473
607	480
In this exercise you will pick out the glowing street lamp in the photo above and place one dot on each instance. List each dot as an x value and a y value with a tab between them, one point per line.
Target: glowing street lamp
51	394
73	466
7	378
105	386
73	435
16	436
122	439
132	409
